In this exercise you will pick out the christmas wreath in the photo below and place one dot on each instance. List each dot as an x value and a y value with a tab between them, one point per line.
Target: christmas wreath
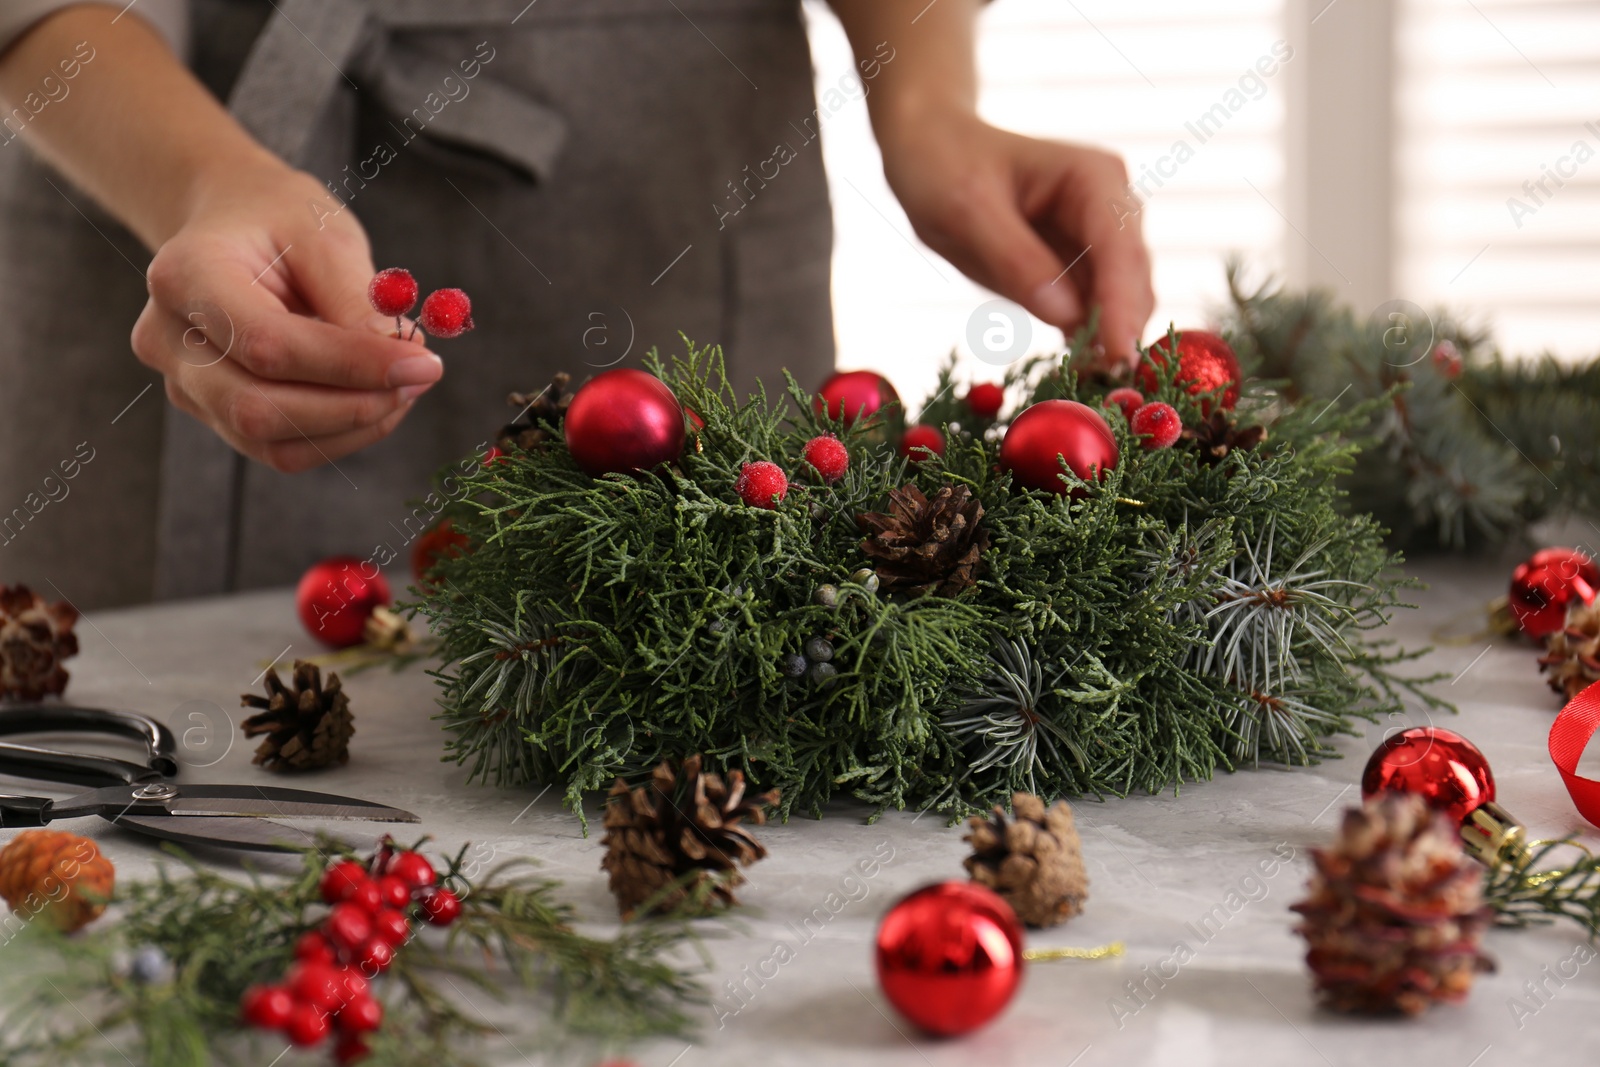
1087	590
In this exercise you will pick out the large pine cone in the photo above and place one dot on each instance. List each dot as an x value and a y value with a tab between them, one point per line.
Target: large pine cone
306	727
1217	435
1035	862
685	824
548	406
1396	911
1572	655
927	546
34	639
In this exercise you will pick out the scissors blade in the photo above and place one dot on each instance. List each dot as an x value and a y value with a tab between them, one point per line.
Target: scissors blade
256	835
212	801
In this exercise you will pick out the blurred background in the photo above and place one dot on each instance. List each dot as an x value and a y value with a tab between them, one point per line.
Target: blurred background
1445	152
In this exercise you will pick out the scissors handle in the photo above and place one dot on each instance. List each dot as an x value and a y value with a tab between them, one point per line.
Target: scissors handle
23	811
48	765
48	718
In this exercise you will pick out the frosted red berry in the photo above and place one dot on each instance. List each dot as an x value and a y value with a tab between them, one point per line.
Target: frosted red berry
827	454
266	1006
393	291
412	869
1158	424
762	484
307	1024
447	313
917	438
1129	400
986	399
441	907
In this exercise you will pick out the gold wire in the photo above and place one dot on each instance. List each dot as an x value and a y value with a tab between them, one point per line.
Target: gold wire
1099	952
1557	873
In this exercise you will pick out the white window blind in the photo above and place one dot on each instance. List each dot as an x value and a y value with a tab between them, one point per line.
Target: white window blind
1499	167
1137	78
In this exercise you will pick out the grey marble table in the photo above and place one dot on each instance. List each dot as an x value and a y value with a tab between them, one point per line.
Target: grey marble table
1164	870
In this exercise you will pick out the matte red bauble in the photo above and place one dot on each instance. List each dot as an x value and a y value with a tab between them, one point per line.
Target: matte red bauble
1545	585
624	420
444	541
950	956
1436	764
1057	428
335	597
854	394
1205	363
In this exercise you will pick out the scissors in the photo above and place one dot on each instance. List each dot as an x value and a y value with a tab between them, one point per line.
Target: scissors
139	796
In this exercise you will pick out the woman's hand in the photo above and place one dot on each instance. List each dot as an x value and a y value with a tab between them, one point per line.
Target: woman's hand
258	319
1042	223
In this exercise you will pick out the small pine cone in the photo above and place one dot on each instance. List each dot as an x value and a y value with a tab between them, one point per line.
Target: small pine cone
1035	862
526	431
1572	655
1396	911
1217	435
685	824
927	545
306	727
59	876
35	637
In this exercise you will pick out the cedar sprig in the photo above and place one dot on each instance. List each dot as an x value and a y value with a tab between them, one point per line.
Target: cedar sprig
1547	881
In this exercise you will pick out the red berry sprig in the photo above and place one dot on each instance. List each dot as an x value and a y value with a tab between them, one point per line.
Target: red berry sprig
917	438
828	456
446	312
326	990
762	484
1158	424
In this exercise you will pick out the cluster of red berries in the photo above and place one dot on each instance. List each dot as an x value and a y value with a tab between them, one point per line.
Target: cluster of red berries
367	923
1157	423
446	312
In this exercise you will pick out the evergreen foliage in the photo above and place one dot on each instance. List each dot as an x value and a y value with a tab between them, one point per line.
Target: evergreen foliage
1172	620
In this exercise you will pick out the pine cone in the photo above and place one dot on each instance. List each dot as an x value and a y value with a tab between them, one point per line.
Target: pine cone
1035	862
34	638
684	825
1572	655
58	875
1396	911
549	405
927	546
1217	435
307	727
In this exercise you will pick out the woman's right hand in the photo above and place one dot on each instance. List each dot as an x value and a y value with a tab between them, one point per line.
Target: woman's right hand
259	321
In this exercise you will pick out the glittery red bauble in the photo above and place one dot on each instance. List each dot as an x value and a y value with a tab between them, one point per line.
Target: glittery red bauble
1543	587
1440	766
441	542
950	956
1051	428
986	399
624	420
916	438
854	394
335	597
1205	364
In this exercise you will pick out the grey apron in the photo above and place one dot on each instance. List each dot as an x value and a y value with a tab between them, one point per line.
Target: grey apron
579	186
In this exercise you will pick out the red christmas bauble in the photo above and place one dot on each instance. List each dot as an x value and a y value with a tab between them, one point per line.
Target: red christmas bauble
854	394
441	542
1051	430
624	420
950	956
916	438
1543	587
1436	764
335	597
1205	363
986	399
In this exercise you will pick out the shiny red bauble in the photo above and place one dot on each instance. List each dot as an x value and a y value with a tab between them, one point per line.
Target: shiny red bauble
335	597
1051	430
1543	587
1205	363
986	399
917	438
950	956
443	541
854	394
624	420
1436	764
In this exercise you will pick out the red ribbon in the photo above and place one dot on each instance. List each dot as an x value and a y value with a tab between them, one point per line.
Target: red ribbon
1569	734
